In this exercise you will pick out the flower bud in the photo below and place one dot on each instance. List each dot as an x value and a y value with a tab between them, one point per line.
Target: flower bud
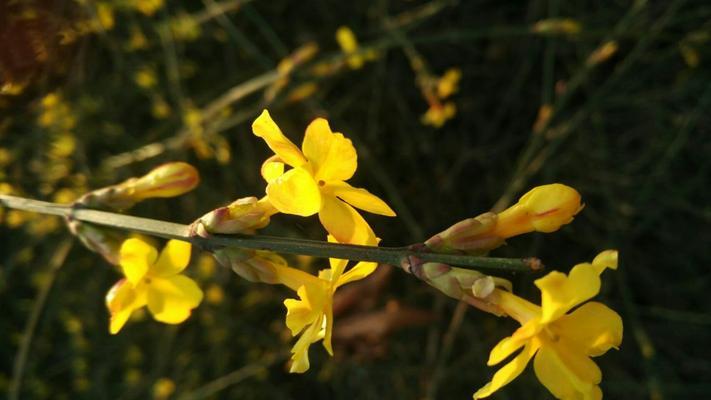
252	265
244	215
470	236
543	209
459	283
456	282
168	180
105	241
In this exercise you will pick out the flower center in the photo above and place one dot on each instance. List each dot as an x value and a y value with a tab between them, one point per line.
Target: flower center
552	336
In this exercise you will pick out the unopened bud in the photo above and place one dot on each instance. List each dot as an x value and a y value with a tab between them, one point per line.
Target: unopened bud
456	282
469	236
244	215
252	265
168	180
543	209
104	241
483	287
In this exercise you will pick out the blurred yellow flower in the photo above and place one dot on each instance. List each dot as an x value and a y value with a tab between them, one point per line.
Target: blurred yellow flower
147	7
316	183
214	294
184	27
155	281
145	77
137	40
104	19
163	388
312	315
448	84
349	44
439	113
160	109
602	53
562	343
553	26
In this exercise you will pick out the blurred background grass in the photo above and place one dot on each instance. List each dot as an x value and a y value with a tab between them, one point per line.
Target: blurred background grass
95	92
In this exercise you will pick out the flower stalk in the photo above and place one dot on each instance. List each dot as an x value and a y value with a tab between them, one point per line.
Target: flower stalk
397	256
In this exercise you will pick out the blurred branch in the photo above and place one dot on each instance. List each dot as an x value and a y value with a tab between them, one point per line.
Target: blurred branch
183	136
214	10
400	22
55	262
234	377
397	256
538	148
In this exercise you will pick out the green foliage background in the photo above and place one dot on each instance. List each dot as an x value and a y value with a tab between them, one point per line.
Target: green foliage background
631	134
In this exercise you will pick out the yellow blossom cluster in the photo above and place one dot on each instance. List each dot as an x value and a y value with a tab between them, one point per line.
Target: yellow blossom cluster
436	91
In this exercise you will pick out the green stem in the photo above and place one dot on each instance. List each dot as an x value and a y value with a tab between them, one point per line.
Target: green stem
397	256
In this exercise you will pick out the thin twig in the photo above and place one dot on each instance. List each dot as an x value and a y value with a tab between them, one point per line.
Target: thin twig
397	256
18	369
447	344
234	377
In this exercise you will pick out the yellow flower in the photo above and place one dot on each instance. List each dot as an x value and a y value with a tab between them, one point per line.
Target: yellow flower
312	315
316	183
349	44
155	281
438	114
562	343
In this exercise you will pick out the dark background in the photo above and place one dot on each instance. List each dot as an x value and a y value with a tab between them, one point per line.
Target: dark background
631	133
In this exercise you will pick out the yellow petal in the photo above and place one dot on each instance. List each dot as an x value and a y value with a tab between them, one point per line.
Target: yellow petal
337	268
517	308
509	345
594	328
300	351
121	300
272	168
171	299
606	259
358	272
508	372
328	332
268	130
567	376
360	198
291	277
300	313
337	265
344	223
135	258
346	39
560	293
173	259
295	192
331	155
